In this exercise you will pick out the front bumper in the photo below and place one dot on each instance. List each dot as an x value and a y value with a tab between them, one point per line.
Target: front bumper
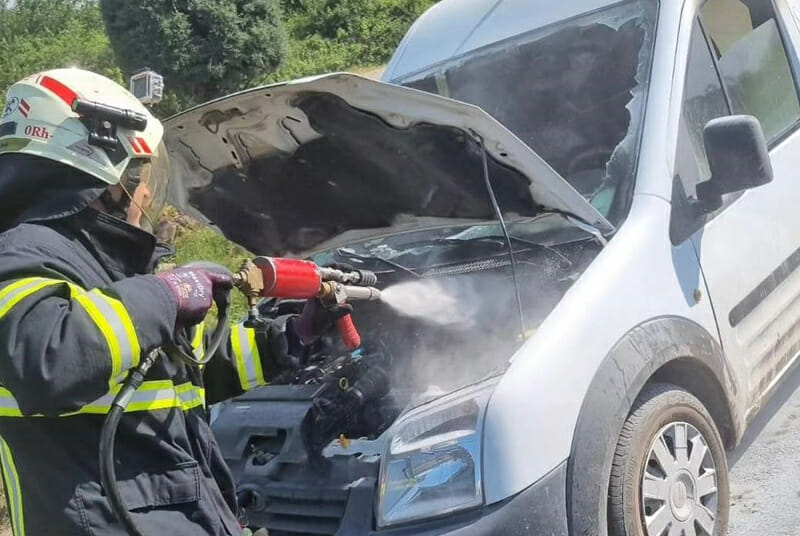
539	510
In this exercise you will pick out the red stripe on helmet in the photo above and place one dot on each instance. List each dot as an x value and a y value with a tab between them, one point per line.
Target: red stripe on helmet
134	145
144	146
62	91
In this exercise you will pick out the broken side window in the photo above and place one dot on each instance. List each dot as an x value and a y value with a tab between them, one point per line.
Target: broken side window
573	91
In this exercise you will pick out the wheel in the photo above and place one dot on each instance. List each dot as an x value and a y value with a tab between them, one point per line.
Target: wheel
669	476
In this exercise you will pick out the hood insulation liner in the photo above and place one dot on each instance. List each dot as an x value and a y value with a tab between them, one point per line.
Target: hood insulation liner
340	181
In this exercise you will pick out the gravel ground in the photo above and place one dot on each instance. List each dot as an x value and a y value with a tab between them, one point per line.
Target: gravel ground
765	469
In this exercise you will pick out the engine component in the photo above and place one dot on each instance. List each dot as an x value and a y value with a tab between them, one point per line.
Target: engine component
272	277
343	408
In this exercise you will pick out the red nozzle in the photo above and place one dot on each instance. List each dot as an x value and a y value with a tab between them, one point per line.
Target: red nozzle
348	332
298	279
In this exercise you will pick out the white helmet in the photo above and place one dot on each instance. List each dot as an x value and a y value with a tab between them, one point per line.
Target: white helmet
62	115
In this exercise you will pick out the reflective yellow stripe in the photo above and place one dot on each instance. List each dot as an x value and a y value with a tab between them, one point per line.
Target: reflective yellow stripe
151	396
197	341
19	290
11	478
127	326
108	333
255	356
108	314
12	287
113	321
8	406
191	396
248	360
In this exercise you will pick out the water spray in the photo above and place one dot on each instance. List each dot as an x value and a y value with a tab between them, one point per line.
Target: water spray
429	300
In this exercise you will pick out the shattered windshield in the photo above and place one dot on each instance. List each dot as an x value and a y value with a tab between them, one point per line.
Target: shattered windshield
573	91
422	249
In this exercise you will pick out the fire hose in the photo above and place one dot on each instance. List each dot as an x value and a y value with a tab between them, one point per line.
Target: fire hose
263	277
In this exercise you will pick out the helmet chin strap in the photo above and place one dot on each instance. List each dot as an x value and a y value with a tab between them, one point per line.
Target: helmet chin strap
133	201
119	207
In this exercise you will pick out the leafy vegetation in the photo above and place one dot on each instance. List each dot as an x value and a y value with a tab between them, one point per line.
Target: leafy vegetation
203	48
44	34
194	241
337	35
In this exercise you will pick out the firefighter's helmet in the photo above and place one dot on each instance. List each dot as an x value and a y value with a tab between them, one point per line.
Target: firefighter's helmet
42	118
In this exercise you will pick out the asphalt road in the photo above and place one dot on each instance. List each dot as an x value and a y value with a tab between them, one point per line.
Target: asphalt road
765	468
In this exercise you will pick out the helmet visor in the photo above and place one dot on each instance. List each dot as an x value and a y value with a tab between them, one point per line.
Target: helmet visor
145	181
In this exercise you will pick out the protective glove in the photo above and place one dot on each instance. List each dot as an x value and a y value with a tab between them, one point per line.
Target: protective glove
316	319
285	349
194	290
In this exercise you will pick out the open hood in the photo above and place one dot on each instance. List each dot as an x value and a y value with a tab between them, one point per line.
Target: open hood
283	169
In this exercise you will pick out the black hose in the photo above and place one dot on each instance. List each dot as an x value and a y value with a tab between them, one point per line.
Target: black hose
499	214
108	474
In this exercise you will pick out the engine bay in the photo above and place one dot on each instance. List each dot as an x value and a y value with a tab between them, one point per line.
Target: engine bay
306	446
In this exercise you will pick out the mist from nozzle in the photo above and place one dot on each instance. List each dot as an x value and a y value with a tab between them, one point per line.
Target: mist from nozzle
453	330
431	301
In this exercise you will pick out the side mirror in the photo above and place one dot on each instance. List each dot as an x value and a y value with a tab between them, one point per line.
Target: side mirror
738	157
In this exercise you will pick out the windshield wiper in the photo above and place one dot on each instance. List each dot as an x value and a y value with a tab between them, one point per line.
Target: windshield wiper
352	255
501	241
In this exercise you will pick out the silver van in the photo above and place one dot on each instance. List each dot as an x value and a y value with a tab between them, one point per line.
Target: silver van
583	217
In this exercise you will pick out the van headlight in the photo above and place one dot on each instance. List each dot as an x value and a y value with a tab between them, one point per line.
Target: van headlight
432	462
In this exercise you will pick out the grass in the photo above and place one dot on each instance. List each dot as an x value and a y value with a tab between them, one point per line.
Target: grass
194	241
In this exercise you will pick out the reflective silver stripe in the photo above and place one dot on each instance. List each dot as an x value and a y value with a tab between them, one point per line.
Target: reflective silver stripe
8	406
18	290
126	345
152	395
190	396
248	362
159	394
11	478
108	314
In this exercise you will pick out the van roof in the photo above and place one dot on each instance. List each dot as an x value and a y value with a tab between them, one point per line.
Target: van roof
454	27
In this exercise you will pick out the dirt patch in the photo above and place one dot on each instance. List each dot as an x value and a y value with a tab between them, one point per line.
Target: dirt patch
5	521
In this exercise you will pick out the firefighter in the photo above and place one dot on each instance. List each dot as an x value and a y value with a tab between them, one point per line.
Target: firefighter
80	305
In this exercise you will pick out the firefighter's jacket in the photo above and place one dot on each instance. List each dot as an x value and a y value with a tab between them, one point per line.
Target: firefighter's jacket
76	313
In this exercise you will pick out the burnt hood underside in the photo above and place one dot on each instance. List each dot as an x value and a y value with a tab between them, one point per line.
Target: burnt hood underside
282	169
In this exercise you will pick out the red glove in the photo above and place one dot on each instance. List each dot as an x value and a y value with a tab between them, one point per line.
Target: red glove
316	319
193	289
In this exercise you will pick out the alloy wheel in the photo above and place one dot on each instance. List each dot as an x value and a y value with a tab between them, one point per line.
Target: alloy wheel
679	484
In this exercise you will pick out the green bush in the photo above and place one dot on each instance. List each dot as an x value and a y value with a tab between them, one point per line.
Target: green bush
203	48
335	35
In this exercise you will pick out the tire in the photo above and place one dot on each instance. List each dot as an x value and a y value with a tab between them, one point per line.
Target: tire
646	451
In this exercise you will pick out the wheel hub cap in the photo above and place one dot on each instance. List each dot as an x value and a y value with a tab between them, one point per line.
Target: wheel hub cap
679	484
682	497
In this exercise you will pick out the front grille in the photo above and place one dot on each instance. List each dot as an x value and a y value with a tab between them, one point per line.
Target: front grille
304	511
